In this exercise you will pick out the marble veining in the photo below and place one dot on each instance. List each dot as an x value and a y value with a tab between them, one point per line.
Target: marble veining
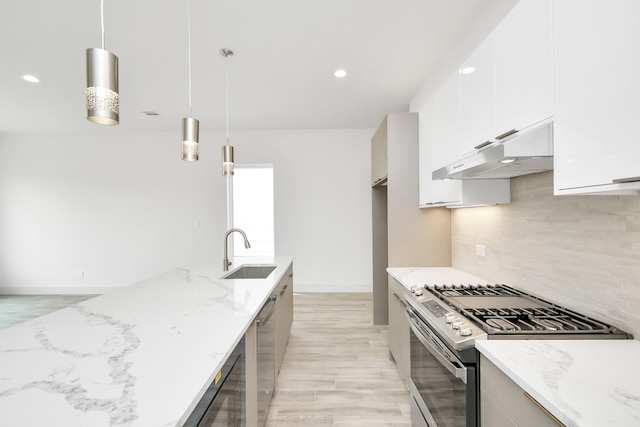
556	364
584	383
138	356
63	380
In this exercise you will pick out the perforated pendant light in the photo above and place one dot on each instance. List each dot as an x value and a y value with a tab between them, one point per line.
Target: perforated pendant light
102	98
227	150
190	126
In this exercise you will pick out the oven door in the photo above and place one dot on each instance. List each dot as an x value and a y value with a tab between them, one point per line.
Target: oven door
443	387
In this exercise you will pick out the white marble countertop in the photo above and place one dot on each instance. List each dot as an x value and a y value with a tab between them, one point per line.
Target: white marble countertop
583	383
420	276
142	355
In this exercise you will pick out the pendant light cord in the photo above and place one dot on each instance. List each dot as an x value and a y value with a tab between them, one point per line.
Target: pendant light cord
102	21
227	96
189	41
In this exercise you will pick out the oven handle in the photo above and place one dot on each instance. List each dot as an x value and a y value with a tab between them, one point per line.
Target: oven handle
457	372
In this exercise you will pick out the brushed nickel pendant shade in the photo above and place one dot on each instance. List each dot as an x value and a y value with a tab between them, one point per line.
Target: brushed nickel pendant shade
102	97
190	137
190	126
227	160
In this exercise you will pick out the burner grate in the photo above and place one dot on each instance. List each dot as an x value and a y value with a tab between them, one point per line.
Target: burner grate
533	320
473	290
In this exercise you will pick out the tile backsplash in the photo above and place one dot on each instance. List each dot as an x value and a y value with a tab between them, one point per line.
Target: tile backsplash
580	251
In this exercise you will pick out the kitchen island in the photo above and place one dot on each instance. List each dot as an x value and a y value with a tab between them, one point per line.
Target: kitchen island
582	383
142	355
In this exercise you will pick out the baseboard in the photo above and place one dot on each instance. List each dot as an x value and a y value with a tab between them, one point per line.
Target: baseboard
331	288
56	290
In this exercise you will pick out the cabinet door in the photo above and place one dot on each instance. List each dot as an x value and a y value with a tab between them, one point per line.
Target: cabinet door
445	112
492	413
399	329
284	315
435	149
597	94
477	98
435	193
524	66
504	403
379	154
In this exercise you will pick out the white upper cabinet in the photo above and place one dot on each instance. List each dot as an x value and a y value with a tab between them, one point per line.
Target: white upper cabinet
505	84
438	142
524	66
437	128
597	97
444	110
477	98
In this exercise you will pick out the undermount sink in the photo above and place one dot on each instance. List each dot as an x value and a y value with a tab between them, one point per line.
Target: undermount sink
250	272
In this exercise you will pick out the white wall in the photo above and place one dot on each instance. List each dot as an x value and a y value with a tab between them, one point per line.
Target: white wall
121	206
322	202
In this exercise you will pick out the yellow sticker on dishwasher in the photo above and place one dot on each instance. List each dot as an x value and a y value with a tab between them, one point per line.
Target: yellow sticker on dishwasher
218	376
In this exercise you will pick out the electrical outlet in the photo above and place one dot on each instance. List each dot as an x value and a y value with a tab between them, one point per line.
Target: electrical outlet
481	250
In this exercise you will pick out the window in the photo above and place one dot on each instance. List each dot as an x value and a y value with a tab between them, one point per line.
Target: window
253	209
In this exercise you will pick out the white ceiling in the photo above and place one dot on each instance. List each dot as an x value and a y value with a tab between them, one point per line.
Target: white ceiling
281	76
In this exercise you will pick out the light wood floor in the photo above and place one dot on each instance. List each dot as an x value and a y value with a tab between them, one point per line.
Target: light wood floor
16	309
336	370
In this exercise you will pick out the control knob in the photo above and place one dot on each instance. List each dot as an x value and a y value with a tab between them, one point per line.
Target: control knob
449	317
465	330
456	324
417	291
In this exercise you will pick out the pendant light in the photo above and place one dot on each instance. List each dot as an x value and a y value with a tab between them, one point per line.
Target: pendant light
227	150
190	126
103	104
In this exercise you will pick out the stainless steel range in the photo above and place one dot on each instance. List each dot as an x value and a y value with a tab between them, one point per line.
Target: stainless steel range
445	322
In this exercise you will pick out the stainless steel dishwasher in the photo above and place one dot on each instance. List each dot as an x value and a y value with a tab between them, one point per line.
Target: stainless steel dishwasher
266	361
223	403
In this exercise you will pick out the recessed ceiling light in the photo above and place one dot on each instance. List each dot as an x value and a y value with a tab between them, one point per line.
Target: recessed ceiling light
150	113
30	78
505	161
340	73
467	70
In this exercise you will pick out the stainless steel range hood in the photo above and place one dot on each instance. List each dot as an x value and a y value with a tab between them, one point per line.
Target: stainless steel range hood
521	153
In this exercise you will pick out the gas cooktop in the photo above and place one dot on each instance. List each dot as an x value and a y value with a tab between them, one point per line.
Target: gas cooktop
503	310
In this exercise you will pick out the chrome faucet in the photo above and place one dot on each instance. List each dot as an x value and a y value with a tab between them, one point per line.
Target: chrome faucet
225	261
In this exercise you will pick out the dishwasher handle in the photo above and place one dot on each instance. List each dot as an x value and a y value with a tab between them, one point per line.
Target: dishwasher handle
264	318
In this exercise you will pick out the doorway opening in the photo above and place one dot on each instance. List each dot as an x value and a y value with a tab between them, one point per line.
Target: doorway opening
253	209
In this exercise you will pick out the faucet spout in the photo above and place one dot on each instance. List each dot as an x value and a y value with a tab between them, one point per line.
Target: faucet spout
225	262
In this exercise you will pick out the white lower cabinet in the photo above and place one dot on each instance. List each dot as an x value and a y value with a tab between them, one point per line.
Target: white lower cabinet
597	97
399	328
505	404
